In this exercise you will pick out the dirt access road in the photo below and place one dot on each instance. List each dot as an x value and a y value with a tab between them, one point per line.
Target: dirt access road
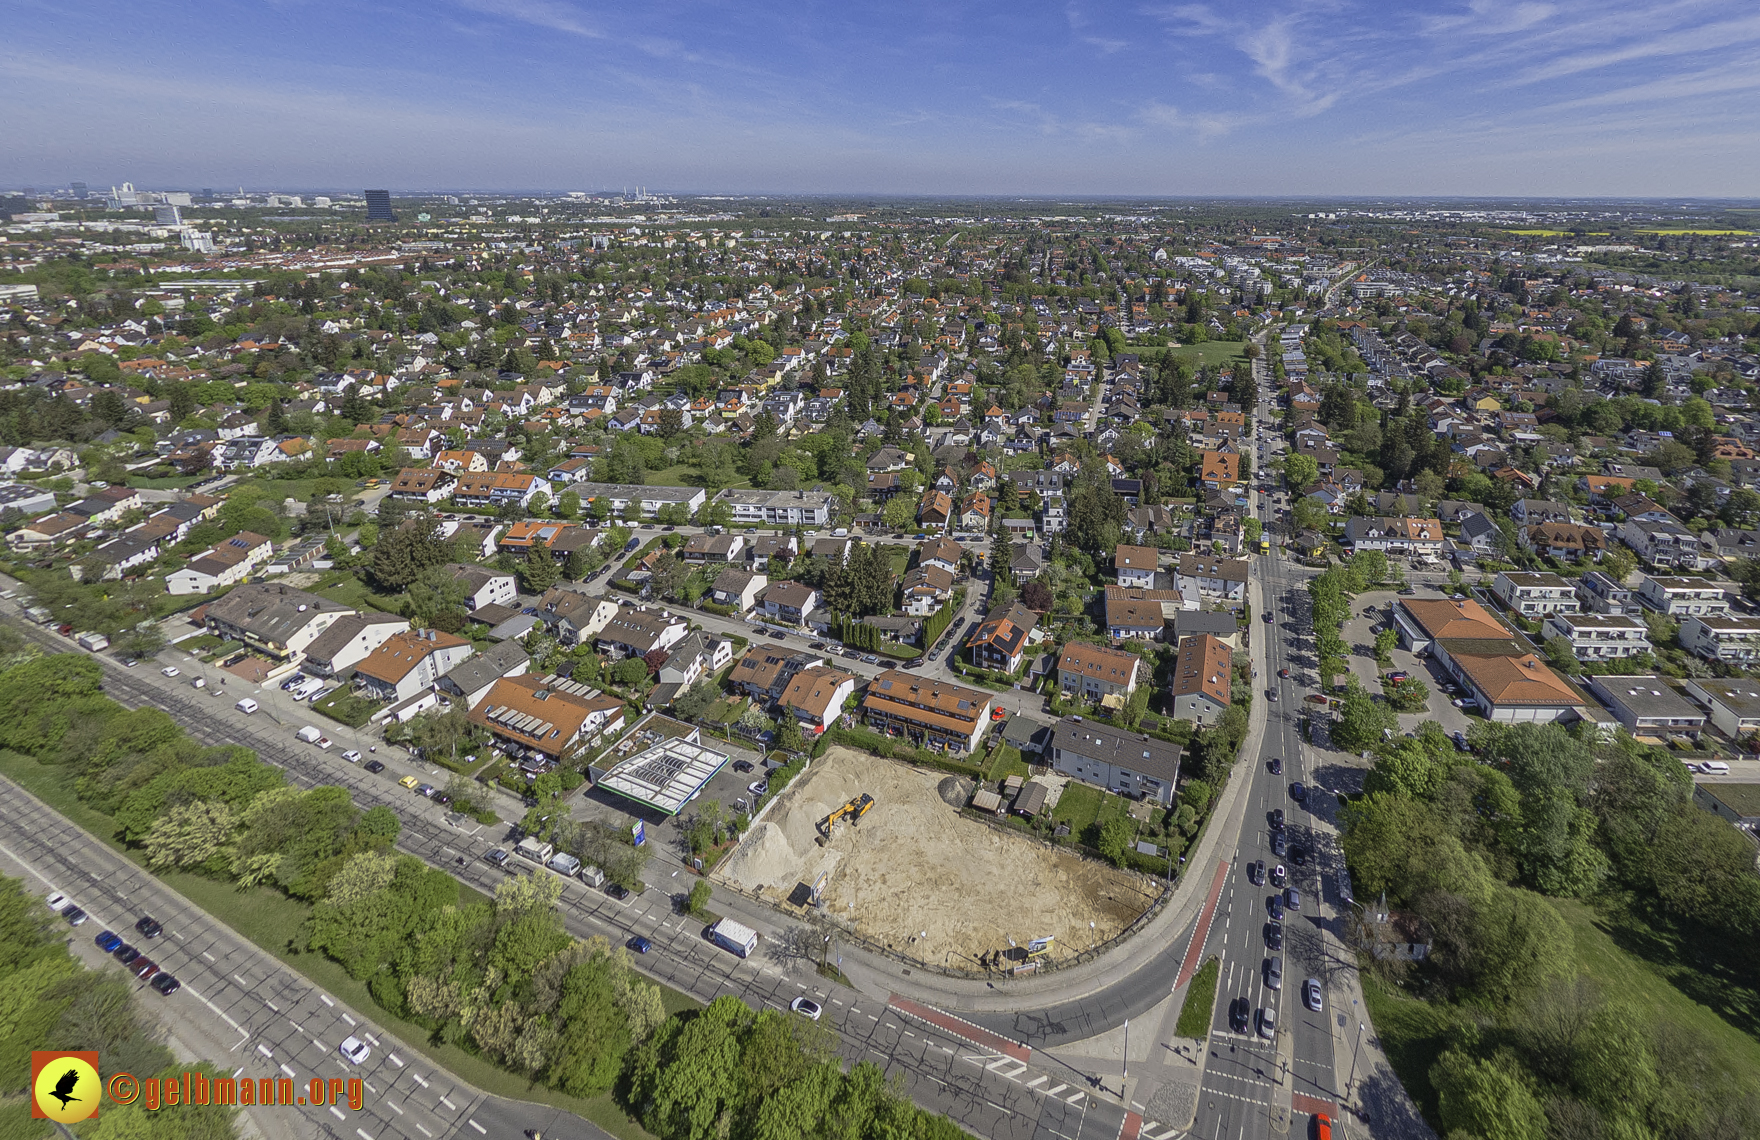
915	876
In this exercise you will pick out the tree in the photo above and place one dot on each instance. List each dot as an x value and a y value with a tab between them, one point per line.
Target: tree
1485	1100
695	701
1115	839
630	671
1036	595
1362	721
1561	655
405	552
788	733
1300	471
189	834
899	513
539	571
698	902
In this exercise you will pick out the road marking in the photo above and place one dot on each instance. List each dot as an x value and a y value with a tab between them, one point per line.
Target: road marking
271	1005
424	1131
449	1104
207	955
362	1133
417	1077
348	1019
325	998
264	1050
392	1105
371	1038
1076	1099
287	1070
478	1127
337	1113
241	981
297	1027
392	1057
1037	1081
1055	1090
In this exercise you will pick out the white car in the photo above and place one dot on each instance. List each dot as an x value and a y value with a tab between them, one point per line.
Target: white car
57	901
806	1007
355	1050
1460	702
170	670
325	742
353	756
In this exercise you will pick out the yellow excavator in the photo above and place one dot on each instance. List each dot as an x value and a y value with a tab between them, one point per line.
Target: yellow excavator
853	811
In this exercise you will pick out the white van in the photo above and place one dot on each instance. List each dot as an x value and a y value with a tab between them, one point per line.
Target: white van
307	687
308	735
1714	768
247	706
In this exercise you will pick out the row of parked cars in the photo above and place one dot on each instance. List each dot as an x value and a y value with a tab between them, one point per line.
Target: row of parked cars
112	943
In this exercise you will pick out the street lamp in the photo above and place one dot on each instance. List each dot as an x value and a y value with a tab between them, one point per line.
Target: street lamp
1350	1086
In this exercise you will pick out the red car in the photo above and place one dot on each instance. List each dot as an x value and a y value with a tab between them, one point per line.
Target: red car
143	968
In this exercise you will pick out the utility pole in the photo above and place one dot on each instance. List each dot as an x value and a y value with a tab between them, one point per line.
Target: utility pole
1350	1086
1125	1072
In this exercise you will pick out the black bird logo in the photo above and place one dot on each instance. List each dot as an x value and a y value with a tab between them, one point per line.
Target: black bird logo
65	1086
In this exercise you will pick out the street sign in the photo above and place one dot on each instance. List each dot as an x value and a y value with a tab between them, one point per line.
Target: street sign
639	832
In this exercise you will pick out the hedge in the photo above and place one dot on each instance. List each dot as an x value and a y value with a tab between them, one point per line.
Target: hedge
897	750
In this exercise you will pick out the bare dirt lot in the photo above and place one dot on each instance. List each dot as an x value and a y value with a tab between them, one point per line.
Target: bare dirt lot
913	866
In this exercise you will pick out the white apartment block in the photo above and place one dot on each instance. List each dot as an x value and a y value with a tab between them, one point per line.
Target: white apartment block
1722	638
1534	594
1680	597
1598	637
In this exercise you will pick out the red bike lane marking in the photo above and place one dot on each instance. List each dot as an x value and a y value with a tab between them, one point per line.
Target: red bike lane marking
962	1029
1202	931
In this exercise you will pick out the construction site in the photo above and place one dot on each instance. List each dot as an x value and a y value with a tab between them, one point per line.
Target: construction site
872	845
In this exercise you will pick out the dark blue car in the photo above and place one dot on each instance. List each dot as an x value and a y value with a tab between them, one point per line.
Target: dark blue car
639	944
108	940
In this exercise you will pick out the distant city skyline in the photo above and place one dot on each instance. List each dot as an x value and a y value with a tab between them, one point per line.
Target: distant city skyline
1475	98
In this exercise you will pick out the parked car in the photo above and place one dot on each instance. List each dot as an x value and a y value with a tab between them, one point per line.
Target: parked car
353	756
57	901
617	891
1274	973
806	1007
170	671
1298	792
1274	936
1268	1023
1274	905
1294	896
149	927
426	791
758	788
375	766
1279	876
1279	845
742	765
409	782
639	944
166	984
125	953
107	940
144	969
75	916
354	1049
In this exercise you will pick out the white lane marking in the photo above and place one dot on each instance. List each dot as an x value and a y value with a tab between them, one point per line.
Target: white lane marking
264	1050
271	1005
392	1057
362	1133
449	1104
371	1038
325	998
478	1127
392	1105
1054	1091
1037	1081
207	955
337	1113
418	1079
1076	1099
348	1019
241	981
424	1131
287	1070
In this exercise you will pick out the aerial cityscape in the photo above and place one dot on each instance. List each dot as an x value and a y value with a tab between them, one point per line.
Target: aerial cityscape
675	590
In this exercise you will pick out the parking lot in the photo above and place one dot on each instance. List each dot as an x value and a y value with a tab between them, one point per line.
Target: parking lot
1370	613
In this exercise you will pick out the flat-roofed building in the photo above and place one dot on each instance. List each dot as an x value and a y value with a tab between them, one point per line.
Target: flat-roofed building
1722	637
1534	594
1599	637
929	713
1732	703
1681	597
1648	705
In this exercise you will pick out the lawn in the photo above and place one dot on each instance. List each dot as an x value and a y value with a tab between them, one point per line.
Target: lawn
346	708
1210	352
683	475
1078	806
347	587
1412	1033
273	922
1194	1015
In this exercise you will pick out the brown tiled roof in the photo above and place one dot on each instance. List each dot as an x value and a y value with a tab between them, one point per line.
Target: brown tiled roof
1202	668
1102	664
1523	680
1442	618
811	690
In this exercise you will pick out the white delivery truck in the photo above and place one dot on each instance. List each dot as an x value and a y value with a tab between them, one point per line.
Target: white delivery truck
592	876
730	935
247	706
308	734
94	642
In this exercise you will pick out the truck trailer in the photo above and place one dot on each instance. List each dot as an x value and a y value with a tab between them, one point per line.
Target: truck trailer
732	936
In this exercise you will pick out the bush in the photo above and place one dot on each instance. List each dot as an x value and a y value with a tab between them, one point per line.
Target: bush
1194	1015
698	902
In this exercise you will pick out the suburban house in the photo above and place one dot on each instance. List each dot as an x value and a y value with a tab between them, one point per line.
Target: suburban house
926	588
929	713
697	656
1135	566
406	663
471	679
276	620
548	715
1126	763
765	671
637	633
1733	704
227	561
1212	577
574	615
1000	641
1201	687
1667	545
484	586
349	640
1535	593
738	589
1564	541
1414	537
1097	673
816	695
789	602
1140	615
714	548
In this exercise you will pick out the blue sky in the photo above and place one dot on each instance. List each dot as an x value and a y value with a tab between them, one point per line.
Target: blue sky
1464	97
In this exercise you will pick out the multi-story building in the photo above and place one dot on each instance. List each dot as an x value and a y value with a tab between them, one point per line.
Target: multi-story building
1534	594
928	712
275	620
1600	594
1096	672
1000	641
1648	706
1667	545
780	508
1721	637
1683	597
1135	566
1599	637
1201	687
406	663
1127	763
